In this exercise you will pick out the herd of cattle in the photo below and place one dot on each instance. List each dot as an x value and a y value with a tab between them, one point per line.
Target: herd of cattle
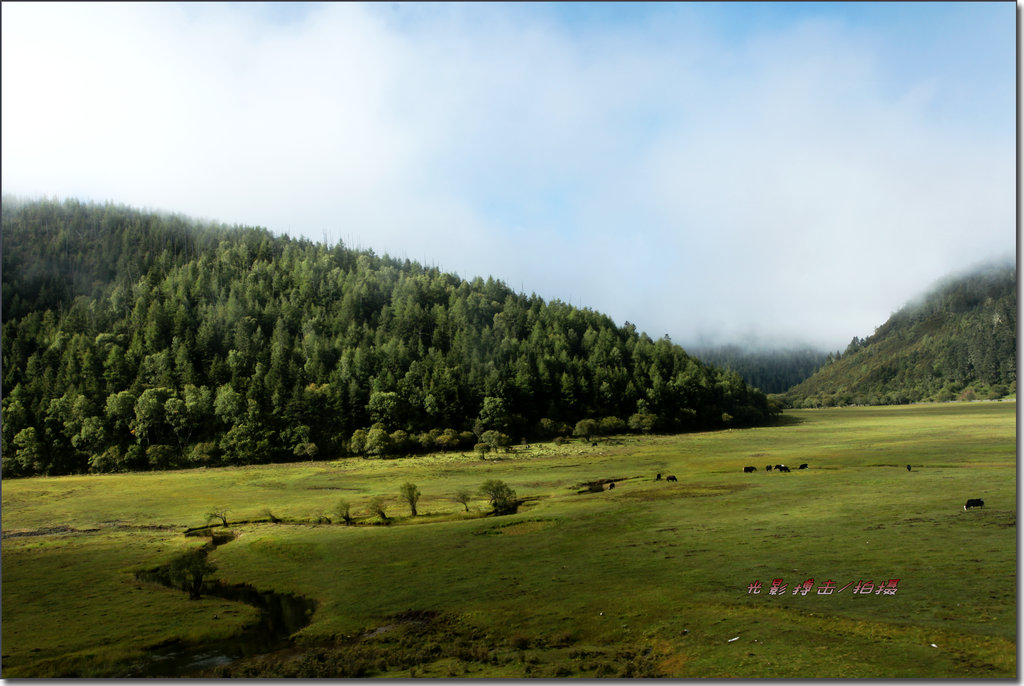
778	468
971	502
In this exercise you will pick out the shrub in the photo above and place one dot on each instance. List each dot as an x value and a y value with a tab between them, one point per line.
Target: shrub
203	454
357	444
378	507
161	456
110	460
495	439
643	422
399	442
612	425
448	440
586	428
503	499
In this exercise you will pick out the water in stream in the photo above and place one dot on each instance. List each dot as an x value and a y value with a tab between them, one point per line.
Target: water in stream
281	615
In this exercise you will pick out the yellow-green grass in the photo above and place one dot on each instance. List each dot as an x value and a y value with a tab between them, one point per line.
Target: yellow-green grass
649	578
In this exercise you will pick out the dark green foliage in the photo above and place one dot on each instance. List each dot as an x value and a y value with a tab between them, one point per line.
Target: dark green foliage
958	343
189	570
502	497
133	340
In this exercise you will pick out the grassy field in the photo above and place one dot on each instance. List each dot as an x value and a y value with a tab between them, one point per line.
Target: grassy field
648	579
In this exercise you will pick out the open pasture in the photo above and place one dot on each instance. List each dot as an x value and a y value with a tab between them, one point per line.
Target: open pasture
651	578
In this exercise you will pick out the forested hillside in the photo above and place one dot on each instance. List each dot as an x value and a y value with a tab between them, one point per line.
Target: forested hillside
958	343
133	340
772	371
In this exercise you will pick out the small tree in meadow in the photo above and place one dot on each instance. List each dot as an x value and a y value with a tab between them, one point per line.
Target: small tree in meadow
220	513
411	494
463	496
344	512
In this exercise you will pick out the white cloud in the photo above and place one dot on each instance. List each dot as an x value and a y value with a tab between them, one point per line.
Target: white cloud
783	182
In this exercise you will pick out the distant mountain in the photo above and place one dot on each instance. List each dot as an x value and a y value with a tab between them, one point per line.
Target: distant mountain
770	370
134	340
957	343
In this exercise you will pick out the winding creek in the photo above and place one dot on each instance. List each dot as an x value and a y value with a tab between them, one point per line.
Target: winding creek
281	615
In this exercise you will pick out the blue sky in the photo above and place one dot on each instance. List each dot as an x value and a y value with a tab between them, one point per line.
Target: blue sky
786	172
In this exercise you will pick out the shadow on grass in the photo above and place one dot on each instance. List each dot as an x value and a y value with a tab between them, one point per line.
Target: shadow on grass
787	420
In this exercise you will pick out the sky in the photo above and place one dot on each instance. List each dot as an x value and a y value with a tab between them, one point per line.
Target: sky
715	172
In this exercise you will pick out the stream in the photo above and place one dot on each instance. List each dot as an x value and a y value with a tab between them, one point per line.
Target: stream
281	615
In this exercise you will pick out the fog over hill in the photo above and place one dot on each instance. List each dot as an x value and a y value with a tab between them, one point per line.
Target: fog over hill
792	171
956	342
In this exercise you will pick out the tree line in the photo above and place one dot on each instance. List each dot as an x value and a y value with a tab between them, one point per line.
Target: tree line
135	340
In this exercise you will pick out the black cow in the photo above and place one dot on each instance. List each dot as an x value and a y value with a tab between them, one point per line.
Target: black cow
768	468
974	502
747	470
611	485
803	466
658	478
781	468
670	477
908	467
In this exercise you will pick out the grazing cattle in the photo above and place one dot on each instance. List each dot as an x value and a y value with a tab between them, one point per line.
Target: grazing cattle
593	445
670	477
658	478
908	467
974	502
768	468
803	466
747	470
611	485
781	468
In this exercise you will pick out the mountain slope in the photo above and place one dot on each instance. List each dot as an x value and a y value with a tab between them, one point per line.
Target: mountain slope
140	341
959	342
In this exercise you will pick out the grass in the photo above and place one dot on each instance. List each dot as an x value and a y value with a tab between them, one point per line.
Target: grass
648	579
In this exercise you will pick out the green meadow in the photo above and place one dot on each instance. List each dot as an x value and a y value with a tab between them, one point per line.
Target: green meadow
651	578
